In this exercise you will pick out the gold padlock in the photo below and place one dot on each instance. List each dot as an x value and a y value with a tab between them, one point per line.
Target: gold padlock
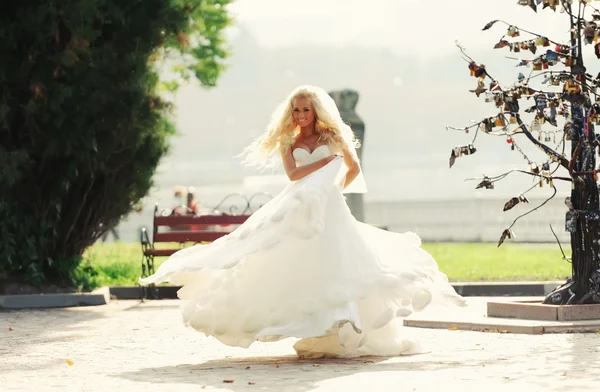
571	87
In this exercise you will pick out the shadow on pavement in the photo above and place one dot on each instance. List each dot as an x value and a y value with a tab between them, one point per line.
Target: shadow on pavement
280	373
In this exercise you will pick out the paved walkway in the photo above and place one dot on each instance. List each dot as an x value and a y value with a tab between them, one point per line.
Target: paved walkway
129	346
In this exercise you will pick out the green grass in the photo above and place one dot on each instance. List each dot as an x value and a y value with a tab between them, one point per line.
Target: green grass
510	262
119	264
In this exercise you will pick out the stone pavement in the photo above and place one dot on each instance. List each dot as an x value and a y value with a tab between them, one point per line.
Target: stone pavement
133	346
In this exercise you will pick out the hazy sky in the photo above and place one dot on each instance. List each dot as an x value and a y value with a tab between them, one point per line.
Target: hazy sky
422	28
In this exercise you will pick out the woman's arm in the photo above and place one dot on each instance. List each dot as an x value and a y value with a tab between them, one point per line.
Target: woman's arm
352	165
296	173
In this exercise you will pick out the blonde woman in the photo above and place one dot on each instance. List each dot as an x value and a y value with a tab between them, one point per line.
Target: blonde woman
302	266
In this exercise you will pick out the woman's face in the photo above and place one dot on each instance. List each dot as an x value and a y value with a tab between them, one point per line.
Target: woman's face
303	111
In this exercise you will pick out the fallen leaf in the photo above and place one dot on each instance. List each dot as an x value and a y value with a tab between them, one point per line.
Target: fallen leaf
453	329
251	383
483	365
228	381
598	331
247	367
315	364
69	362
10	329
276	366
203	387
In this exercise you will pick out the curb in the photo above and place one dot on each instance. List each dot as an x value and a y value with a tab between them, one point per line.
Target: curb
501	289
135	292
508	326
103	295
97	297
465	289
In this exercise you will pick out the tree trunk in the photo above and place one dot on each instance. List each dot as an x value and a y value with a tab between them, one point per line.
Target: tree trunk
584	215
582	220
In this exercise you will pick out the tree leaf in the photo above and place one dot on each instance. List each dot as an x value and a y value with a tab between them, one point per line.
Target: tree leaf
489	25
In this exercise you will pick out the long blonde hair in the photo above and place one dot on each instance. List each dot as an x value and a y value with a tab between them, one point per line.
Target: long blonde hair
282	131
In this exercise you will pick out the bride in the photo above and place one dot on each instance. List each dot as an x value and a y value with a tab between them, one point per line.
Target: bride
302	266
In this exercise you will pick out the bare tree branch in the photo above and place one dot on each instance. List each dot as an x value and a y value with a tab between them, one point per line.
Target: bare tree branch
559	245
534	209
504	175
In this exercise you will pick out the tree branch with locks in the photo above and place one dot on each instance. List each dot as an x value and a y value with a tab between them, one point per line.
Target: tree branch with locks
470	149
575	97
530	44
508	100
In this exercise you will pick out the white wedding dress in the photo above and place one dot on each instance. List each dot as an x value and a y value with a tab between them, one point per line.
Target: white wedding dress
303	267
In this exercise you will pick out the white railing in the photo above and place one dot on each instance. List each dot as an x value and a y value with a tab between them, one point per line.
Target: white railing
475	220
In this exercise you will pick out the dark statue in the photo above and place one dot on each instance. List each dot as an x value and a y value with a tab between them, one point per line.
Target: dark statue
346	101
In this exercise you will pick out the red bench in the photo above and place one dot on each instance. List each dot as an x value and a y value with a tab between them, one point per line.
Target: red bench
184	230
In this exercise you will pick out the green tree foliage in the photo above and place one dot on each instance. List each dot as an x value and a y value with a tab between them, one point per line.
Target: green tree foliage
82	123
